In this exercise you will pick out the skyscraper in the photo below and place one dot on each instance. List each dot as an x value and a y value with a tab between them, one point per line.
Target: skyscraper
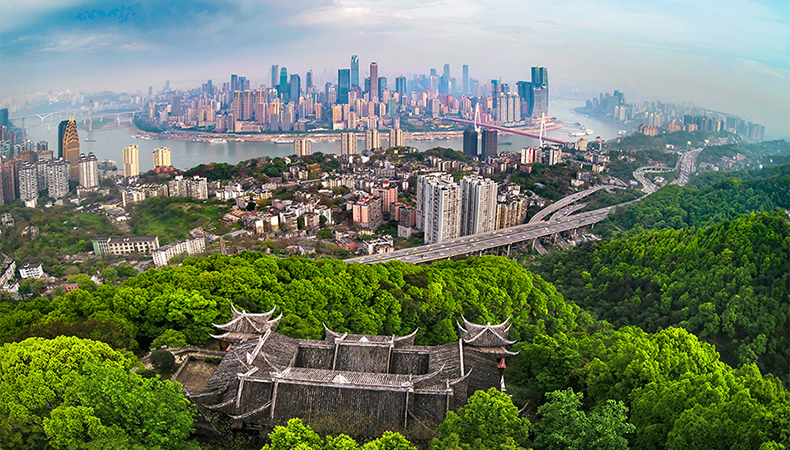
69	145
466	78
382	86
372	140
89	170
348	144
296	88
308	82
444	81
489	144
354	71
400	85
234	83
282	88
343	84
131	161
275	73
161	157
470	142
374	81
478	205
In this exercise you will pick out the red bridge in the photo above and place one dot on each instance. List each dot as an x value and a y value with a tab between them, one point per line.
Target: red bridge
508	130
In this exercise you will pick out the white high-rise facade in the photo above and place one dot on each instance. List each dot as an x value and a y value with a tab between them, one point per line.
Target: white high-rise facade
131	161
58	174
442	209
396	137
89	170
421	201
348	144
28	182
478	205
161	157
302	147
372	140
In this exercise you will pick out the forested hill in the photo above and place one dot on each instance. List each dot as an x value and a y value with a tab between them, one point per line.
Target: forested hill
719	199
386	299
727	283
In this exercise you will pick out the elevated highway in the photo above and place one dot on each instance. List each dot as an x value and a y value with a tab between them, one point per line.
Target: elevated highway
562	203
499	239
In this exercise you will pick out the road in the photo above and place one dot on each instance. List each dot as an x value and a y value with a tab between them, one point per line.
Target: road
486	241
687	165
562	203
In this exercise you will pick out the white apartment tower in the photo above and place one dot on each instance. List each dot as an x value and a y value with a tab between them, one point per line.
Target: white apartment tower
302	147
131	161
28	182
478	205
421	201
442	210
161	157
372	140
58	174
348	144
396	137
89	170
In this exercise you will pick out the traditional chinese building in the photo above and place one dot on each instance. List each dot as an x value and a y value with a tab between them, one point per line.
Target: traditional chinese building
268	378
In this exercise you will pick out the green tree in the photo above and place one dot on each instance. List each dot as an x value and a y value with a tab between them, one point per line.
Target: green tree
71	393
389	441
488	421
170	338
294	436
565	426
162	360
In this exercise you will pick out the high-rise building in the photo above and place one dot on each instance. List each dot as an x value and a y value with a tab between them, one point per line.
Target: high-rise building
302	147
400	85
28	182
382	86
489	144
442	209
540	76
282	87
478	205
396	137
161	157
374	81
466	78
295	88
343	85
58	173
131	161
275	75
470	142
348	144
234	83
529	155
69	145
422	181
372	140
89	170
553	156
10	170
308	82
354	71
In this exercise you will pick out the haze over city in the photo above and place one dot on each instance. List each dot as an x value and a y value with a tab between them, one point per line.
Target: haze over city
730	56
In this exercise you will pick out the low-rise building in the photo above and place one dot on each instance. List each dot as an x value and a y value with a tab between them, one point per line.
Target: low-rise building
124	246
31	269
189	246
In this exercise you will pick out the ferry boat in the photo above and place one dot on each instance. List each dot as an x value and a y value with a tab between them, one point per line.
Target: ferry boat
622	133
282	141
217	141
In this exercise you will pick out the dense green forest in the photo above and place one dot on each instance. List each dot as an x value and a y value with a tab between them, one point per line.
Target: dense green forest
719	199
576	377
727	283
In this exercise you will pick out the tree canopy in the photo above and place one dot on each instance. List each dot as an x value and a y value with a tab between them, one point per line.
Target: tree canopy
71	393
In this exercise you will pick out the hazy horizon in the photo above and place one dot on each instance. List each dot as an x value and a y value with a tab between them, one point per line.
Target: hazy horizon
730	56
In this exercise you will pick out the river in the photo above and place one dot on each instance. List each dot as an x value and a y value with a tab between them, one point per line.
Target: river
109	143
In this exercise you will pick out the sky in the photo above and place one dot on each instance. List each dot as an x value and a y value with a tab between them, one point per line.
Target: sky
728	55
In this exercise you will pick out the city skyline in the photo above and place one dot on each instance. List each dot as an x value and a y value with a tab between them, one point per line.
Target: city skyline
672	52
